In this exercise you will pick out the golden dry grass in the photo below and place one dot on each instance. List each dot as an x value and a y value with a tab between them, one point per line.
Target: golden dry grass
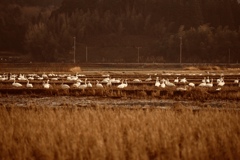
100	133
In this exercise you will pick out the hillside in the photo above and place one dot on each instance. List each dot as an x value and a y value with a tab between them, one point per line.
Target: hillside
122	31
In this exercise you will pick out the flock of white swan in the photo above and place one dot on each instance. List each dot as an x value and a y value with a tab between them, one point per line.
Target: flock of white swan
107	81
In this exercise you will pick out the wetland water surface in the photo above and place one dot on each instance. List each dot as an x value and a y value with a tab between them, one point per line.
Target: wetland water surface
62	101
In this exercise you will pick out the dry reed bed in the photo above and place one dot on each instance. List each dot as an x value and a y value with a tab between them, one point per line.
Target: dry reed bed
100	133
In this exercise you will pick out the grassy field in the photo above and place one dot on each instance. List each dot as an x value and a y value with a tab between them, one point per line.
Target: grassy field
100	133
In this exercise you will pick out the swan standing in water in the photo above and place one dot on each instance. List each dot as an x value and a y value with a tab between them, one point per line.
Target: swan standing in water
54	78
157	83
176	80
209	84
191	84
46	85
183	80
163	85
125	84
137	80
220	79
65	86
83	86
77	84
99	85
149	78
29	85
105	80
204	80
22	77
3	78
182	88
122	85
236	81
203	84
208	80
89	84
16	84
221	83
168	83
109	83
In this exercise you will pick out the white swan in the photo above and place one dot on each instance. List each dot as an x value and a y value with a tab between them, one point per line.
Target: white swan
40	78
219	79
182	88
77	84
221	83
204	80
83	86
44	75
163	85
236	81
109	83
149	78
137	80
183	80
203	84
72	77
176	80
22	77
46	85
89	84
29	85
16	84
191	84
116	80
65	86
3	78
105	80
122	85
31	78
54	78
125	84
168	83
157	83
208	80
99	85
209	84
12	77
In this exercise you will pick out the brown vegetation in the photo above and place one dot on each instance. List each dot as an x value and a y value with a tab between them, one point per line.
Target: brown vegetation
101	133
192	94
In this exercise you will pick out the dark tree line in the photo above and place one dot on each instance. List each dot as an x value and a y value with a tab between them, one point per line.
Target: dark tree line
115	31
42	3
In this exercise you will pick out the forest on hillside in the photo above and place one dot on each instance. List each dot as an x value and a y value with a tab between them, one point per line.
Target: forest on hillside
122	30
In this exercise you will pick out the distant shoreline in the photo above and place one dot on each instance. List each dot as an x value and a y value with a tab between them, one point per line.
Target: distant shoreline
78	67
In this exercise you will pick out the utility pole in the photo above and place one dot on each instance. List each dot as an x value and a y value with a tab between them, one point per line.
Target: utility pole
74	48
86	54
180	56
229	54
138	54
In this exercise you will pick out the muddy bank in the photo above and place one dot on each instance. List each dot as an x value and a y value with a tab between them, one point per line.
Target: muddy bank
69	101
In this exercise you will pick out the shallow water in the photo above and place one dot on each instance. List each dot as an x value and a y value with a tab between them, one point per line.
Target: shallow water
60	101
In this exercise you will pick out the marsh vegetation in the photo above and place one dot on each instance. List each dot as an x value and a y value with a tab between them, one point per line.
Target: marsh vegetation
119	133
141	121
